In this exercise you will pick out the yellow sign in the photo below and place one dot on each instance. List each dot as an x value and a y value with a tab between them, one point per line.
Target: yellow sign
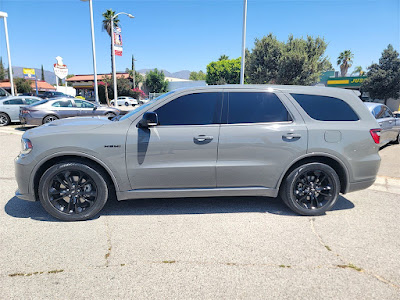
343	81
28	71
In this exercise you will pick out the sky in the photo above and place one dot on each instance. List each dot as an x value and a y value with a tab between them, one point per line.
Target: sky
188	34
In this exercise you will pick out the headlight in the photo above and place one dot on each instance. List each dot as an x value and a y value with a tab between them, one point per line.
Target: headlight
26	146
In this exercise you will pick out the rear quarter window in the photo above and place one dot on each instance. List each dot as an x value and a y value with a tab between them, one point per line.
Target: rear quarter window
324	108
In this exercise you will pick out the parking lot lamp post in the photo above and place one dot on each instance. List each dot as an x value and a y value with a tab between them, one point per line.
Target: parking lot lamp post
96	90
243	41
113	54
4	15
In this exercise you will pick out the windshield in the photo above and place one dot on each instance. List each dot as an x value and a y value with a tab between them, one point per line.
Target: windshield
145	105
39	102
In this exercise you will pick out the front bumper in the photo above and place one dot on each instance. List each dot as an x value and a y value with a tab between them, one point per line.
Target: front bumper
23	171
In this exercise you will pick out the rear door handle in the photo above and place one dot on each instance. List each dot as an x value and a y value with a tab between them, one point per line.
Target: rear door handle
291	136
202	138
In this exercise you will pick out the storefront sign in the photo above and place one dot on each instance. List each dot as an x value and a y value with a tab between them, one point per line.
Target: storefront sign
29	73
60	69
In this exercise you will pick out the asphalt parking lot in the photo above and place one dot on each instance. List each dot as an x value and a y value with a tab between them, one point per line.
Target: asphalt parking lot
202	248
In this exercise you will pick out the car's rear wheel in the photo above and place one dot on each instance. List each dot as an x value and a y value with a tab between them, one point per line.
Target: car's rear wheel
73	191
126	104
4	119
397	141
49	118
311	189
110	115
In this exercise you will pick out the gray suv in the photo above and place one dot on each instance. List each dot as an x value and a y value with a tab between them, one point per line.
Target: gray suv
304	144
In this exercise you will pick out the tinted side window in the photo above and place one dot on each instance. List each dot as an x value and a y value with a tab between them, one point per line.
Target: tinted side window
256	108
14	102
83	104
30	101
62	104
380	111
193	109
324	108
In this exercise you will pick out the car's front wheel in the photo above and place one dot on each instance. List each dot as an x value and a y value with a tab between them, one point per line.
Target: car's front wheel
311	189
73	191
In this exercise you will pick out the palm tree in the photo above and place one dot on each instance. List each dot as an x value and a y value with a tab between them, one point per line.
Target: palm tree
107	25
358	70
345	60
223	57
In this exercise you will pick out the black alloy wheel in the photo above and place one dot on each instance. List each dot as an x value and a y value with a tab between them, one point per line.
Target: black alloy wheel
73	191
311	189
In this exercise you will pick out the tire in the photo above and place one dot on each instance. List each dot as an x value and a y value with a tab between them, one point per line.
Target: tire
126	104
397	141
4	119
49	119
311	189
110	115
81	190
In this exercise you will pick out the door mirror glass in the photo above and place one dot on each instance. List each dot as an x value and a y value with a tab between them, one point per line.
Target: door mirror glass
149	119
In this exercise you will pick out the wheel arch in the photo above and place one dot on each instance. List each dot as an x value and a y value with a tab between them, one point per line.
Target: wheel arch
333	162
71	157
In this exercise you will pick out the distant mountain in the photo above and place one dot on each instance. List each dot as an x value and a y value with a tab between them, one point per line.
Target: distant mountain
184	74
48	75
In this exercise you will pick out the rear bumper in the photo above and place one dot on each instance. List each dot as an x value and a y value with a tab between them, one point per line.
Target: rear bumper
28	120
360	185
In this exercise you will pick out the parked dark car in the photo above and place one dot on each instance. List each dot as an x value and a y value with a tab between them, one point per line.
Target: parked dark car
51	94
390	125
47	111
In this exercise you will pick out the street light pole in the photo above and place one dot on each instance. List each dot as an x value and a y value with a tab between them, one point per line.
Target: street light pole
113	55
243	41
4	15
96	90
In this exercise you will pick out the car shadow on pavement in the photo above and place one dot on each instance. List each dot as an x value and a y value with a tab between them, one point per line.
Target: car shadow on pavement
177	206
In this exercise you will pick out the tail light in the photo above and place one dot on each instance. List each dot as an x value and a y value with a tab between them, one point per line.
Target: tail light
24	111
376	135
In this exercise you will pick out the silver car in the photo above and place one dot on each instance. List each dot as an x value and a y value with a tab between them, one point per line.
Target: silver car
389	124
47	111
304	144
10	107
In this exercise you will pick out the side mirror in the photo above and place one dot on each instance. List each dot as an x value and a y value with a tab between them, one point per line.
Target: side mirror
149	119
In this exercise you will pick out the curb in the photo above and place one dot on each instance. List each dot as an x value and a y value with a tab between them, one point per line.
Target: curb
386	184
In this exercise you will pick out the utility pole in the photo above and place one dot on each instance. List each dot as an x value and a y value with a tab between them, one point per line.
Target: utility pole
133	71
243	41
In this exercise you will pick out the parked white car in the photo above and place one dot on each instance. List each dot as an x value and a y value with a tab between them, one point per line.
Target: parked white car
10	106
124	100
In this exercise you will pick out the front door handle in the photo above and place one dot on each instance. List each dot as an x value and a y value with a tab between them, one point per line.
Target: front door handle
291	136
203	138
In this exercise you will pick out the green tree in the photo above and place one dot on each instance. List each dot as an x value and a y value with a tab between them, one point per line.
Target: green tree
69	76
297	61
197	76
156	82
106	25
138	77
345	61
22	85
42	77
2	70
223	72
223	57
358	71
383	79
